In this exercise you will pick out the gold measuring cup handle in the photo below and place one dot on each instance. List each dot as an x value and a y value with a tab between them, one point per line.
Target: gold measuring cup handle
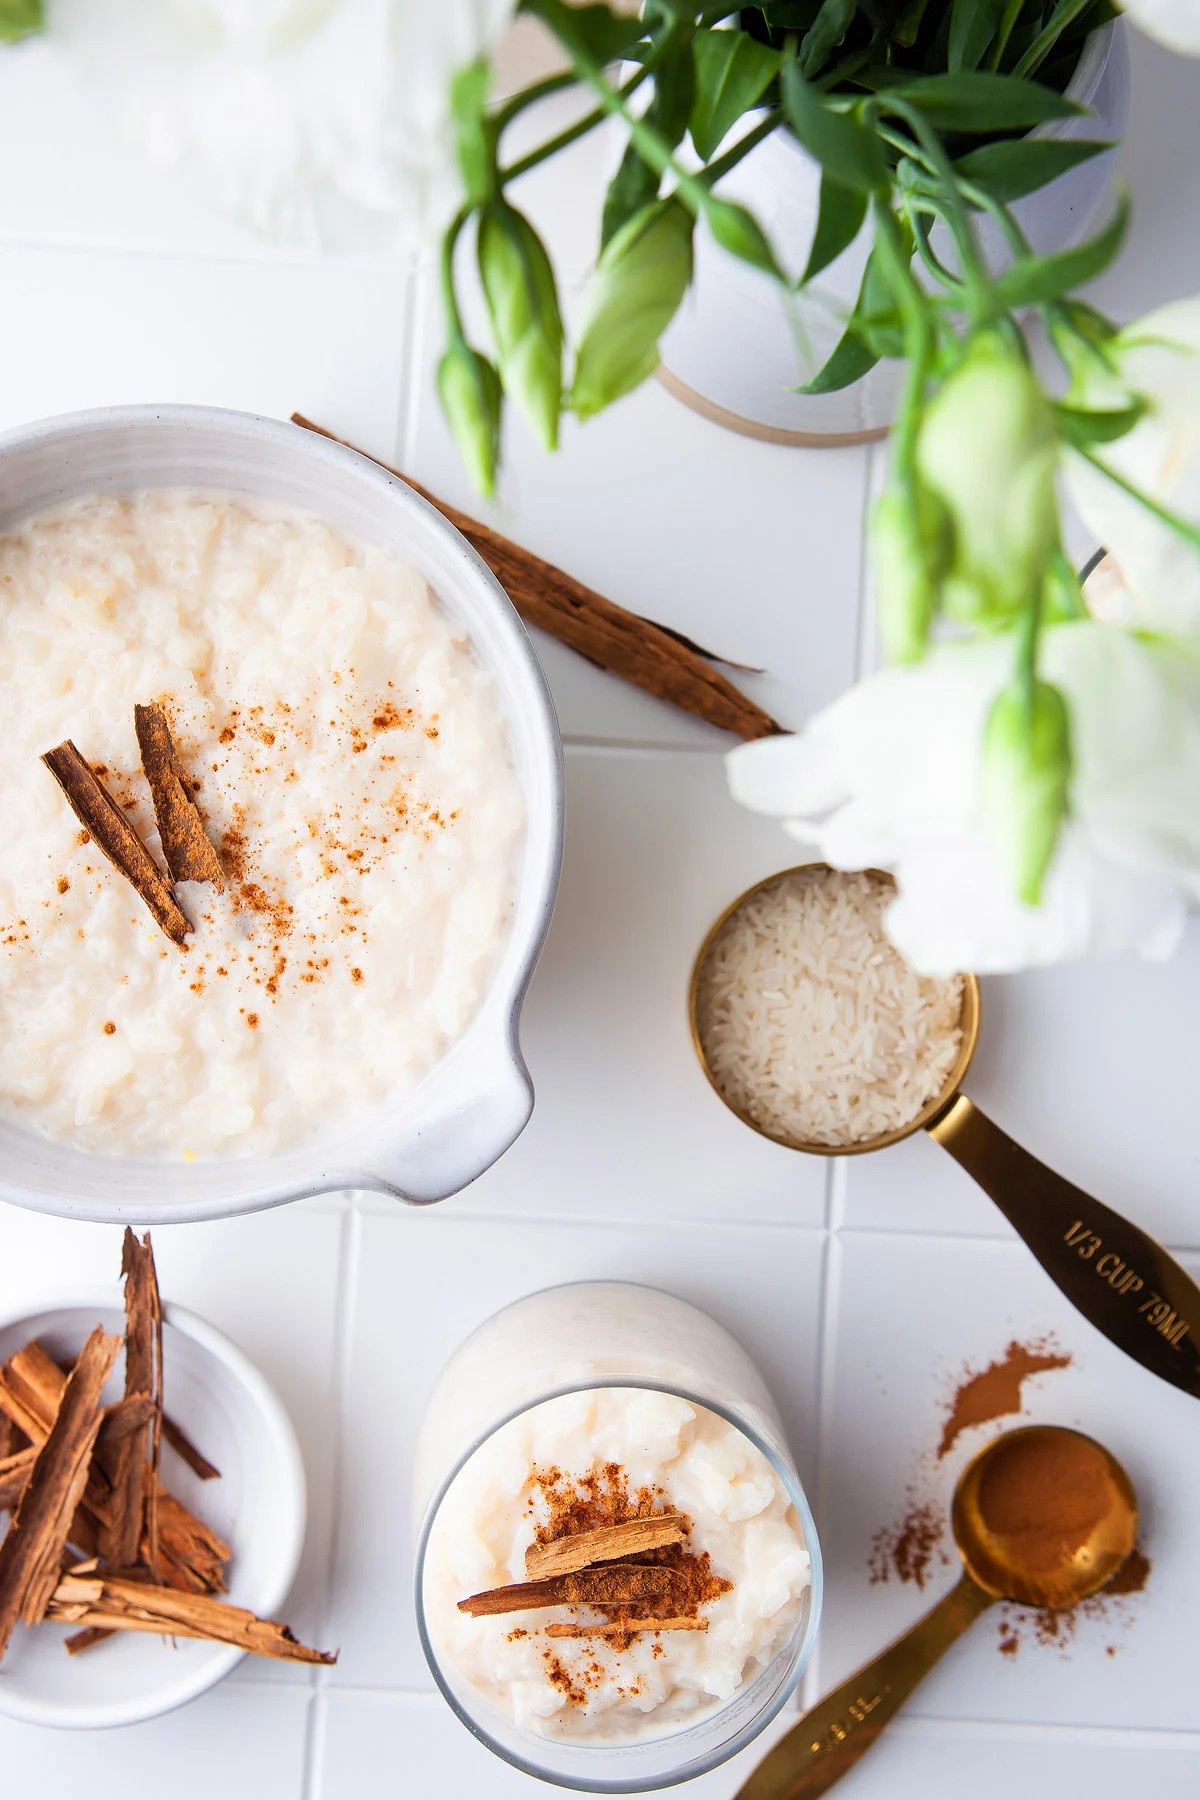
1118	1277
831	1737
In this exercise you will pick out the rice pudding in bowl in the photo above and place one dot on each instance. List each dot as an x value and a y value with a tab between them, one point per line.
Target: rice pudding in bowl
618	1580
365	742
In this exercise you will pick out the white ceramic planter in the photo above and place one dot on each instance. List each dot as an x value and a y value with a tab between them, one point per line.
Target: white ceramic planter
427	1141
737	345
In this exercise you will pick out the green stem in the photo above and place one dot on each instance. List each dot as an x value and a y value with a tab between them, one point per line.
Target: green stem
1004	31
454	324
980	303
927	208
579	129
1044	42
919	335
1017	241
733	156
1029	627
541	90
1181	527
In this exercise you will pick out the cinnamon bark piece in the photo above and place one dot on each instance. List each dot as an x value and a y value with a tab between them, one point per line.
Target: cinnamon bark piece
184	1448
100	815
564	1555
590	1587
116	1603
626	1627
15	1471
33	1547
191	1553
187	847
132	1495
662	662
11	1439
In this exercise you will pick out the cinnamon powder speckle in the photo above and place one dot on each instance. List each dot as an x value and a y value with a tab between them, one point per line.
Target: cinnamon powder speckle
995	1392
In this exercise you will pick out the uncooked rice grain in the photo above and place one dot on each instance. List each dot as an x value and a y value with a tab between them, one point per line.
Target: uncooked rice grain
812	1023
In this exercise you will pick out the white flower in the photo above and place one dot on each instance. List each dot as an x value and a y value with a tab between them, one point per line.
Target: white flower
1175	23
1158	359
320	122
889	777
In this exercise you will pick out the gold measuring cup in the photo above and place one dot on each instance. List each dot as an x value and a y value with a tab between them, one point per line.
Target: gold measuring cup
838	1730
1117	1276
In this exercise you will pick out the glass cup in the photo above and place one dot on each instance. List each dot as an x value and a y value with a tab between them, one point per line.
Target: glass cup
584	1340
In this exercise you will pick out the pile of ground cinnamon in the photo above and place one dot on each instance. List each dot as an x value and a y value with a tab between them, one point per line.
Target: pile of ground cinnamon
995	1392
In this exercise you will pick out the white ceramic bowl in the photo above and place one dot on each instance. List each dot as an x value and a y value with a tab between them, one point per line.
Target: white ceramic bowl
236	1419
430	1140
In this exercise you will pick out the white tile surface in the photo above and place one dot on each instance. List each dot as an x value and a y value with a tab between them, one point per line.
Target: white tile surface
625	1123
763	1284
241	1741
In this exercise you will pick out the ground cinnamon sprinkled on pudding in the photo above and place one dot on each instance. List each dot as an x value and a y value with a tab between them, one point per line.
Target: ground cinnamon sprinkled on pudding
109	1028
995	1392
64	886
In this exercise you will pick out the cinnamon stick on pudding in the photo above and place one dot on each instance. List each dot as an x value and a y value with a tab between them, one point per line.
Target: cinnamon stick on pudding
590	1587
103	819
622	1628
564	1555
33	1547
188	850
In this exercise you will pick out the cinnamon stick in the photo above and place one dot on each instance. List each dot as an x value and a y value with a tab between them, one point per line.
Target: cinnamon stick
590	1587
116	1603
625	1627
187	847
564	1555
103	819
132	1496
33	1547
661	662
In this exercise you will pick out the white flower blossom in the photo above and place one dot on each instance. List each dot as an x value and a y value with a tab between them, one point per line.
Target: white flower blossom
1175	23
889	777
322	123
1157	359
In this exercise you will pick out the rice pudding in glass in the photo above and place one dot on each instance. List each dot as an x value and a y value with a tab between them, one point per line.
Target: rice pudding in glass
611	1455
353	770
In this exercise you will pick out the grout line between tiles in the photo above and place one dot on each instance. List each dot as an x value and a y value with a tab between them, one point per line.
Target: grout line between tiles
412	357
862	636
347	1291
831	1285
382	1206
315	1727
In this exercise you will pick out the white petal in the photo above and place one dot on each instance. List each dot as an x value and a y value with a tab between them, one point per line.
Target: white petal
1175	23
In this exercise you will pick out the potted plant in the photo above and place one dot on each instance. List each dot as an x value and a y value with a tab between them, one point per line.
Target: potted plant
1029	771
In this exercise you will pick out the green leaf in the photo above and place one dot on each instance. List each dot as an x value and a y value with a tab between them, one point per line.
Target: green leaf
20	19
604	34
733	72
635	183
853	357
980	101
972	27
1082	429
473	140
839	219
1035	279
740	233
1014	167
828	29
846	148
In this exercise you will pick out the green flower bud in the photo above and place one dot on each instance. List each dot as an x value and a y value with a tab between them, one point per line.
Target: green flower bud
20	19
522	302
1026	778
471	397
642	276
910	545
987	448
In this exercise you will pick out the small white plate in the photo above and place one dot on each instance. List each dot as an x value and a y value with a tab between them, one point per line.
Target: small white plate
234	1417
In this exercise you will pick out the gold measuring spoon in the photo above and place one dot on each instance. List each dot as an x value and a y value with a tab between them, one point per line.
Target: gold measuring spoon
1123	1282
1004	1558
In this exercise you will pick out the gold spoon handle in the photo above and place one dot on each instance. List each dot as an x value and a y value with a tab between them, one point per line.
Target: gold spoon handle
1115	1273
832	1736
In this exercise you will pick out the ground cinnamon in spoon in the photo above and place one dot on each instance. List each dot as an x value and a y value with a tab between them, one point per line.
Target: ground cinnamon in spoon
1046	1496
